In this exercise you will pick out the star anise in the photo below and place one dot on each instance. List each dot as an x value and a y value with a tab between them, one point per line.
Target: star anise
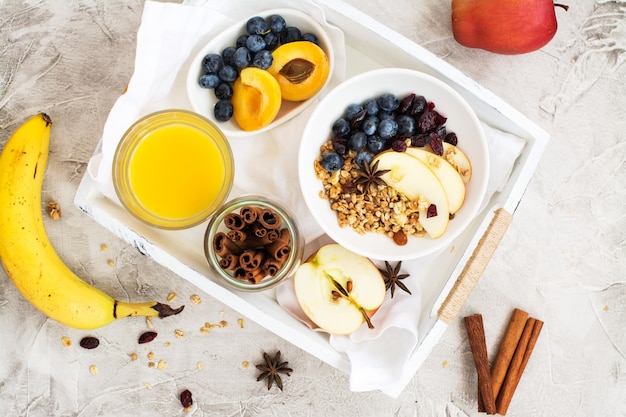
271	370
392	277
370	176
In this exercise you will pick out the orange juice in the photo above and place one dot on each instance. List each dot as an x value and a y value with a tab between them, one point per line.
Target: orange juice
171	170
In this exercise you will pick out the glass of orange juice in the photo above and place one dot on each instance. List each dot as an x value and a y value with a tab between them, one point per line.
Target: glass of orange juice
172	169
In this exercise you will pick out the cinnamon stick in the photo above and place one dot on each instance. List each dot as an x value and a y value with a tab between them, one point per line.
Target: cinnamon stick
522	354
478	345
507	349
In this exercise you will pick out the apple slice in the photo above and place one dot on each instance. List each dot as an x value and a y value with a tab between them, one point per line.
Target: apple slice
450	179
413	178
338	289
455	156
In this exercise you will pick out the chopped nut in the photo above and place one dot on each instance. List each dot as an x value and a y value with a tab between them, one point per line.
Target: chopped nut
179	334
245	364
150	355
195	299
151	364
215	326
104	247
54	211
66	341
171	296
111	262
241	323
133	356
93	369
161	365
224	323
149	322
204	330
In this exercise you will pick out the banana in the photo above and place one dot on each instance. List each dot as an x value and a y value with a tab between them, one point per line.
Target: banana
26	252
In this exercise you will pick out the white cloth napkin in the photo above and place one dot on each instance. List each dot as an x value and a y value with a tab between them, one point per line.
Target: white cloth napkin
266	164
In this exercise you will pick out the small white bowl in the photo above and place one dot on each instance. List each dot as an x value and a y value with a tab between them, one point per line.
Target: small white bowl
461	119
203	100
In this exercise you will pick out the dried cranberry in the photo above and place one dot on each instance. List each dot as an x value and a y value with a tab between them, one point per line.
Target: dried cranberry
420	140
406	103
432	211
398	145
147	337
357	120
89	342
340	145
430	120
436	143
451	139
185	398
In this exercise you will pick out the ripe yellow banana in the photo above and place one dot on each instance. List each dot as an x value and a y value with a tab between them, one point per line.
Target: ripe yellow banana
26	252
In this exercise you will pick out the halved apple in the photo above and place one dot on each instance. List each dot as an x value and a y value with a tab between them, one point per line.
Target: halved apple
413	178
450	178
256	98
301	68
338	289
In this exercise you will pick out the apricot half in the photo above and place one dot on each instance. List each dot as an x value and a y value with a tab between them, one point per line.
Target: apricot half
301	69
256	98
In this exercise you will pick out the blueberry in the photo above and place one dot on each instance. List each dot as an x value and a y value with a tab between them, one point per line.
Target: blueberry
271	41
209	81
451	139
228	74
352	110
383	114
257	25
290	34
370	125
387	128
227	55
242	58
223	110
212	63
371	106
375	144
241	41
406	125
332	161
263	59
255	43
277	23
388	102
224	91
363	157
357	141
310	37
341	127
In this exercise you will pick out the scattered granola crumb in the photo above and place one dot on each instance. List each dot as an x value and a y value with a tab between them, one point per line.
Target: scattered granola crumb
171	296
179	334
224	323
204	330
133	356
167	344
195	298
148	386
222	314
150	355
200	365
149	322
241	323
54	211
93	369
151	364
66	341
444	364
161	365
111	262
215	326
606	308
245	364
104	247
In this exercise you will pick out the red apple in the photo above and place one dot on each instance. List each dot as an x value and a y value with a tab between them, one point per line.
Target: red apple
507	27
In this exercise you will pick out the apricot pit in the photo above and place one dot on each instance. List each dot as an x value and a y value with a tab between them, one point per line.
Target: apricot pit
256	98
301	69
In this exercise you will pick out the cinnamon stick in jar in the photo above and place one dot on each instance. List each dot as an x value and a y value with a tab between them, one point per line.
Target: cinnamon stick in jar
478	345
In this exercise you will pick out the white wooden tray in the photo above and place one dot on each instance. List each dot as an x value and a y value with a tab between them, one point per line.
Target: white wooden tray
447	287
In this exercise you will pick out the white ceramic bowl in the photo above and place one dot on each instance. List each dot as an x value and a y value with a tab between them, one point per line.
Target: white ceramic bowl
461	119
203	100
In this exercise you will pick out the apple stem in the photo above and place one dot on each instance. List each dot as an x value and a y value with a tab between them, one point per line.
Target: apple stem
563	6
367	318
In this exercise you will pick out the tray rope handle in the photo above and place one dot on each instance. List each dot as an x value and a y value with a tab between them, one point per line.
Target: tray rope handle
475	266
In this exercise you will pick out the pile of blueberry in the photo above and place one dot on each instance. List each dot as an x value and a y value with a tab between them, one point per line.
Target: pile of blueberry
386	122
252	49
